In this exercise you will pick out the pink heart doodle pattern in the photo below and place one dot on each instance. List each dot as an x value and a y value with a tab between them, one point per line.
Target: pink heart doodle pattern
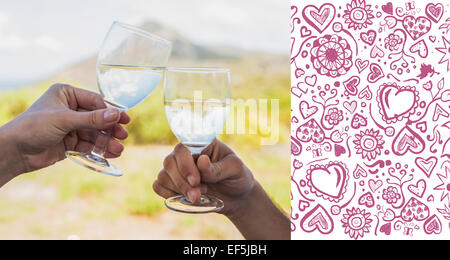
370	117
416	27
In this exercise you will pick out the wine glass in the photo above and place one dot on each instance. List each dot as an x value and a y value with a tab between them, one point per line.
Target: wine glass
196	101
130	64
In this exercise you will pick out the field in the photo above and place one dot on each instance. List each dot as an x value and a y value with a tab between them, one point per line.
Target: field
66	201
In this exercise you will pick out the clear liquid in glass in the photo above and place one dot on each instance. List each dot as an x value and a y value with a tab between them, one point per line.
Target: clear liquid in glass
123	87
196	124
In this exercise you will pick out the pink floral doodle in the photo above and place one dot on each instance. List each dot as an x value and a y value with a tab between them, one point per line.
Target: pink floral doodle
370	116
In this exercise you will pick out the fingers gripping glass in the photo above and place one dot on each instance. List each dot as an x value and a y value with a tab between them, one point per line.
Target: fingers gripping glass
130	65
196	102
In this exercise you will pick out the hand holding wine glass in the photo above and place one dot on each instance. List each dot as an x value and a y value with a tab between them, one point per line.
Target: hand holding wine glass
219	172
63	118
130	65
197	103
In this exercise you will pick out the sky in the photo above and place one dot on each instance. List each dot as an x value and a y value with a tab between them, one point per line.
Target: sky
39	38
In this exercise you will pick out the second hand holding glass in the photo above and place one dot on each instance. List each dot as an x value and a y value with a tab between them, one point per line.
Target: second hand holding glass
197	102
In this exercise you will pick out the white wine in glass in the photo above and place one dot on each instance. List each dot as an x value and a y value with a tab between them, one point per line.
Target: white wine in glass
197	102
130	64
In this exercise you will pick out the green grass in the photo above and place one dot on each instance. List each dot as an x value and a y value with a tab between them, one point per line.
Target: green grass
11	210
142	200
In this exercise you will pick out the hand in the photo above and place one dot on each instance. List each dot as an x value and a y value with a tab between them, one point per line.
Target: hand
217	172
63	118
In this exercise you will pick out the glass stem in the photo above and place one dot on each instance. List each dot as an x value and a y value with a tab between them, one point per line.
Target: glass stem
101	144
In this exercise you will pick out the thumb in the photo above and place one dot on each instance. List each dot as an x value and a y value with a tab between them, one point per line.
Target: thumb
98	119
218	171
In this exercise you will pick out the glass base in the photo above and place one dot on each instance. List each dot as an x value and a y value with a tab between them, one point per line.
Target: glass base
206	204
94	163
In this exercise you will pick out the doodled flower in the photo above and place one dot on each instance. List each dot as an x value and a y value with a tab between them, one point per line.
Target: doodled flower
331	55
393	42
391	195
356	223
358	14
334	116
369	143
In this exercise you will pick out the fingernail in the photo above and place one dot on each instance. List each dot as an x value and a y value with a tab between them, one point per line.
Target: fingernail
191	180
191	195
111	115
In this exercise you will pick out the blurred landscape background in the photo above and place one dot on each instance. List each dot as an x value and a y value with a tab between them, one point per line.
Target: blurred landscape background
66	201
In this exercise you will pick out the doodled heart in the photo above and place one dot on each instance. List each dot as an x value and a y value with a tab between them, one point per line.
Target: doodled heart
359	172
386	229
306	110
311	80
302	205
426	165
328	181
368	37
434	11
358	121
296	146
376	52
396	103
361	65
407	140
351	85
420	48
310	131
339	150
415	210
367	200
365	93
388	8
319	18
418	189
317	219
350	106
416	27
375	185
304	32
433	225
375	74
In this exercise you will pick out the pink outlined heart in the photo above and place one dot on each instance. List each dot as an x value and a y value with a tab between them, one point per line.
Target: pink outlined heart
350	106
367	200
365	93
319	18
361	65
375	185
415	210
407	140
306	110
397	102
375	74
311	80
368	37
426	165
433	225
318	219
416	27
328	181
418	189
359	172
351	85
420	48
434	11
